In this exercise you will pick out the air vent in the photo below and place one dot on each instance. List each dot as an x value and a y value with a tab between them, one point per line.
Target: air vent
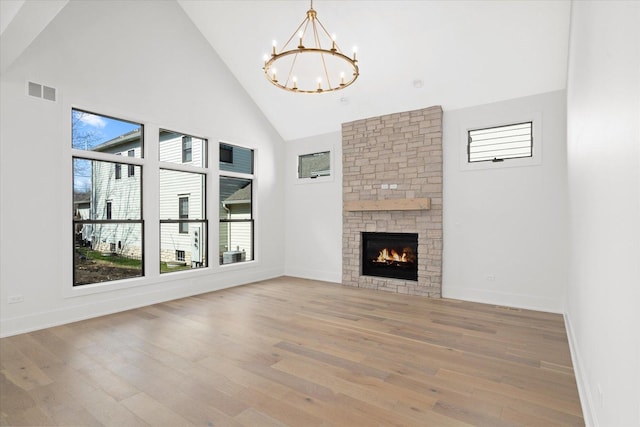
41	91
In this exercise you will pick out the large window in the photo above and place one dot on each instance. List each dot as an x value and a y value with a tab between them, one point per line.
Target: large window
183	220
107	211
236	204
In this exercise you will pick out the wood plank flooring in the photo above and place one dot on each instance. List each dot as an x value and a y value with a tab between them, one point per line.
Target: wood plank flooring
294	352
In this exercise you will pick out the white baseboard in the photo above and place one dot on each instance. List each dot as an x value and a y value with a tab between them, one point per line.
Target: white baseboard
323	275
109	305
527	302
581	379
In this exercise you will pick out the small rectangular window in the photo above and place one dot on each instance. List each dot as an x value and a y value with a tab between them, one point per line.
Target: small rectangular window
314	165
183	213
132	168
186	149
118	171
179	255
498	143
109	212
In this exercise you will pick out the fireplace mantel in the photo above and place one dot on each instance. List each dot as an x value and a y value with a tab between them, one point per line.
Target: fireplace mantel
388	205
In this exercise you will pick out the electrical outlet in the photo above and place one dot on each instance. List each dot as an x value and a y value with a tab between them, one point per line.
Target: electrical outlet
385	186
15	299
490	277
393	186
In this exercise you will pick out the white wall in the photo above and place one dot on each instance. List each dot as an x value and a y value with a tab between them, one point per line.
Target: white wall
505	238
313	212
141	61
603	303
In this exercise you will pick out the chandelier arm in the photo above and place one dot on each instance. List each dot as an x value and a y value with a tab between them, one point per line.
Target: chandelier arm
284	46
326	73
293	64
335	45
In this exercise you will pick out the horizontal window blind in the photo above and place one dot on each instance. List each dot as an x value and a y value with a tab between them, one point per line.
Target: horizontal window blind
500	143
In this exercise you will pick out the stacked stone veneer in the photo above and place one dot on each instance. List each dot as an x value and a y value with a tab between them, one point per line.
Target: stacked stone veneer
403	149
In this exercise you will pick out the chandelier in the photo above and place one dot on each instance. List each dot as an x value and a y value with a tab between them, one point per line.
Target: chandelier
308	67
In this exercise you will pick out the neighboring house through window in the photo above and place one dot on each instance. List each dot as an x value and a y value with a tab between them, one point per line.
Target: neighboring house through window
236	204
111	219
183	219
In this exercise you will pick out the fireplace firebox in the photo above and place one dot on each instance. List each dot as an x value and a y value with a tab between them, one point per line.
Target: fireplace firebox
392	255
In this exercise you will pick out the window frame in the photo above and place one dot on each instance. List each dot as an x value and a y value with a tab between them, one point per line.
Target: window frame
115	158
507	118
494	150
311	177
183	224
251	177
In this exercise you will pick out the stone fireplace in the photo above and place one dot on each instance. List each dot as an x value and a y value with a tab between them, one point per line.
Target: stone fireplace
392	183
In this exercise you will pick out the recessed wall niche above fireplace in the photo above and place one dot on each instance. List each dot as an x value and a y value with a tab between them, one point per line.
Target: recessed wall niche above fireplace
393	255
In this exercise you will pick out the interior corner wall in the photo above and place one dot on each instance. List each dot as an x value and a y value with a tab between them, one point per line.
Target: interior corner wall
505	228
141	61
603	146
313	212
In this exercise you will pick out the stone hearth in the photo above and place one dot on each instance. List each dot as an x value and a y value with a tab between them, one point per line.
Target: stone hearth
403	150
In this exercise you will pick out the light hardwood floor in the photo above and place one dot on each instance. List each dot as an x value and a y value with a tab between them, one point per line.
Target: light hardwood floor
298	353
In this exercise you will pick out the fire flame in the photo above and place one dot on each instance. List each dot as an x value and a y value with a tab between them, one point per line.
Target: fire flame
392	255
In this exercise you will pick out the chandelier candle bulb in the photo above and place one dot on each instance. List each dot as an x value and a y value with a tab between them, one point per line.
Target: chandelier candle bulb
274	48
295	83
300	45
342	78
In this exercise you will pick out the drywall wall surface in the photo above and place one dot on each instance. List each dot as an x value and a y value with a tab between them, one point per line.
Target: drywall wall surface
505	224
139	61
313	212
603	150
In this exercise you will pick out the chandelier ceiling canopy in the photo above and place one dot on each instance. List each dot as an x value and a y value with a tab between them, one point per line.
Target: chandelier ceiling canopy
310	61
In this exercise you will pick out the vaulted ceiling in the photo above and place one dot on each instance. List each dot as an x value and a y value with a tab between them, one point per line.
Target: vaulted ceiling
412	54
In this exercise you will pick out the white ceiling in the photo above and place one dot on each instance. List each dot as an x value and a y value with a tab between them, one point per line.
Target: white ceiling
466	52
